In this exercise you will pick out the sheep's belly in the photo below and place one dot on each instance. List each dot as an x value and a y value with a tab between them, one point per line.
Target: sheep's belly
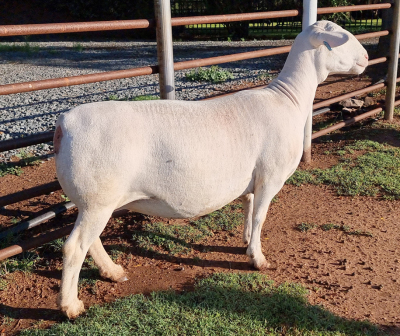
161	208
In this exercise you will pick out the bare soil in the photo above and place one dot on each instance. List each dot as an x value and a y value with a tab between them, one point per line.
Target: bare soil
353	276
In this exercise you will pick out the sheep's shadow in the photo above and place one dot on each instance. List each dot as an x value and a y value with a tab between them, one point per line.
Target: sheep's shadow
32	313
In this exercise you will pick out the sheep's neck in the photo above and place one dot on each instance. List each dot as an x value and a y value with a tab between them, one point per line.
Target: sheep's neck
298	81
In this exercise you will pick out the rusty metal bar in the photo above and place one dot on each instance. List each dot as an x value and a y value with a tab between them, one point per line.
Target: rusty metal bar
76	27
73	27
371	35
348	95
29	193
35	242
190	20
230	58
377	60
328	10
26	141
27	225
346	123
76	80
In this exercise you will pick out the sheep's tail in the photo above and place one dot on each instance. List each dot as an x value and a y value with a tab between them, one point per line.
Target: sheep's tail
58	134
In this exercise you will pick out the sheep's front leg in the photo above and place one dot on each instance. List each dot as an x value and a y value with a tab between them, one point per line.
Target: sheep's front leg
263	195
248	216
108	269
88	228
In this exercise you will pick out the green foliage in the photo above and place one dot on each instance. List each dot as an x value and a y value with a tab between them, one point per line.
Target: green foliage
376	172
9	168
304	227
26	48
174	239
24	263
223	304
213	75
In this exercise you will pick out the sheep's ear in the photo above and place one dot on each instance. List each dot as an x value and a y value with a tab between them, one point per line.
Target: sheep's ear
332	38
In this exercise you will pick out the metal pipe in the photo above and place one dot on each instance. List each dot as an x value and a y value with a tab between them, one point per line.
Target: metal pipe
371	35
27	225
35	242
26	141
76	80
328	10
29	193
309	17
230	58
165	54
73	27
393	62
346	123
190	20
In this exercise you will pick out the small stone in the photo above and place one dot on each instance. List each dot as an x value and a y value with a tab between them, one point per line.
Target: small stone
354	103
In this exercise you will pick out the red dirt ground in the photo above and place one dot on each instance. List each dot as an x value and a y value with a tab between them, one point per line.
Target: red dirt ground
353	276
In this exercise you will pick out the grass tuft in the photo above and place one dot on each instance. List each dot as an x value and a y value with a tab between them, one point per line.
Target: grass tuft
214	75
374	173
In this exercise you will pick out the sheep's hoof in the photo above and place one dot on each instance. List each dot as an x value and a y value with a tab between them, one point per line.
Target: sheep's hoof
260	264
72	311
122	279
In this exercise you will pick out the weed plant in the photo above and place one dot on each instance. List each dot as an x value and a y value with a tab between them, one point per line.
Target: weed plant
214	74
223	304
371	174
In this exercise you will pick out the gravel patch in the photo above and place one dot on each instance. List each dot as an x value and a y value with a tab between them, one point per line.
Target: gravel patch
28	113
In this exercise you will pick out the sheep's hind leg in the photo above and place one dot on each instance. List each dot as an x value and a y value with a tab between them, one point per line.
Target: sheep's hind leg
263	195
88	227
108	269
248	216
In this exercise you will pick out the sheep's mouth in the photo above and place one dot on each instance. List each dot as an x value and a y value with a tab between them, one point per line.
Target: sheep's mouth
362	65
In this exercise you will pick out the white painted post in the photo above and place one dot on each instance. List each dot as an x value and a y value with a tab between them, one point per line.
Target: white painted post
164	48
393	61
309	17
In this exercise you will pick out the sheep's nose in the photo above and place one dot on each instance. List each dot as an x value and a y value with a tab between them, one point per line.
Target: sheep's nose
366	56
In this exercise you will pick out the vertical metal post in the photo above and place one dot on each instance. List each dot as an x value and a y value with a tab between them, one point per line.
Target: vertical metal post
164	48
309	17
393	61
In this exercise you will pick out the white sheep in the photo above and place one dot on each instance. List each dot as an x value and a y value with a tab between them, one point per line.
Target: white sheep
182	159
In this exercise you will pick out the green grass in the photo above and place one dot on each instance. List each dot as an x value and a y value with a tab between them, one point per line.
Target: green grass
25	262
26	48
214	74
223	304
305	227
137	98
178	239
373	173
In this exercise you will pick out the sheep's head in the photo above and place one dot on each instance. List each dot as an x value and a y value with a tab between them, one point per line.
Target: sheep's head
337	49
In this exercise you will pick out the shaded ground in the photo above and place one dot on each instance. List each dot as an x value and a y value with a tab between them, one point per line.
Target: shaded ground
353	275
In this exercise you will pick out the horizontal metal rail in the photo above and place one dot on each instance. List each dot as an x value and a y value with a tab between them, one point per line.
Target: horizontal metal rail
29	193
328	10
76	27
76	80
35	242
29	140
346	123
30	224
